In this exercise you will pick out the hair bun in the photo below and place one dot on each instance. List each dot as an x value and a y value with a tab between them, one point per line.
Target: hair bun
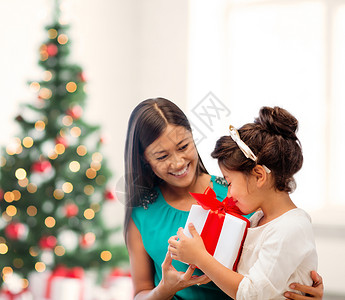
278	121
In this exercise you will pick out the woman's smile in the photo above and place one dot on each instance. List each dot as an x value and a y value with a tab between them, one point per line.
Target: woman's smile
182	172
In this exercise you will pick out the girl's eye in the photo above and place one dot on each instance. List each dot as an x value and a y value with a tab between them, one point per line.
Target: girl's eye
183	147
162	157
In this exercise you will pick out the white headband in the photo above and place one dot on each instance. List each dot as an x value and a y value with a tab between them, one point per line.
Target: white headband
243	146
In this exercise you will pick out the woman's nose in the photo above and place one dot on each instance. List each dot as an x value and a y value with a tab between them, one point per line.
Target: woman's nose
177	161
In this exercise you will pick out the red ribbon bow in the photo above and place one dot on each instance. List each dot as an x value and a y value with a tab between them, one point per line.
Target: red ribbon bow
215	219
62	271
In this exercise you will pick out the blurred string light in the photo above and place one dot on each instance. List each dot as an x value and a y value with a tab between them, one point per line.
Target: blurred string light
74	166
67	187
40	266
34	87
89	214
100	179
75	131
81	150
31	211
59	149
28	142
52	33
11	210
3	161
106	255
89	190
32	188
59	250
17	195
23	182
62	39
34	251
71	87
47	75
14	146
50	222
3	248
91	173
67	121
20	173
40	125
58	194
9	197
45	93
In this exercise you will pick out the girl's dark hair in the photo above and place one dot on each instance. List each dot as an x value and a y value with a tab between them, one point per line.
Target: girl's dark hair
272	138
147	122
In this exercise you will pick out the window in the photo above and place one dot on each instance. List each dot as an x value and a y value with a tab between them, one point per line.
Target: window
285	53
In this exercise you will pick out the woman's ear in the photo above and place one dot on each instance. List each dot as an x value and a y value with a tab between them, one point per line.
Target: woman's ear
260	175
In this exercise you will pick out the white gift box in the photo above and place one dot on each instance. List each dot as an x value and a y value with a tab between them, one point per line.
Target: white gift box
22	296
61	288
231	237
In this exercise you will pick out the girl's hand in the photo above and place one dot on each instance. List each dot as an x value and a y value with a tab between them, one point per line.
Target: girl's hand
315	291
186	249
173	280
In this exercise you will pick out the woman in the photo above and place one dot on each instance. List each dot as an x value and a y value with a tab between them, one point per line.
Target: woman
162	166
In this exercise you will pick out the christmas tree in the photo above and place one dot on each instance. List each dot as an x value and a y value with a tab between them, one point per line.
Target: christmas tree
53	176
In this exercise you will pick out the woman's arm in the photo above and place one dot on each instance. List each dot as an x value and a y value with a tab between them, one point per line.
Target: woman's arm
142	271
315	291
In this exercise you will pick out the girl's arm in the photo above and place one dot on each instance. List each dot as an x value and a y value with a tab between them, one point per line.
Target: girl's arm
315	291
192	251
142	271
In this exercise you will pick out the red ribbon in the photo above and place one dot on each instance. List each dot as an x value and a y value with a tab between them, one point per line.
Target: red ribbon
62	271
12	296
215	219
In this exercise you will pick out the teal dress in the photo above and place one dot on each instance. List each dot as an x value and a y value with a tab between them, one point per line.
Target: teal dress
157	224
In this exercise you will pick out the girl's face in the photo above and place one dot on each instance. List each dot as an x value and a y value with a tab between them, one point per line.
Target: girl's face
242	189
173	156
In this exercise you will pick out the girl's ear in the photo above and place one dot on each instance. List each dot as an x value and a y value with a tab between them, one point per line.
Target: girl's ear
260	175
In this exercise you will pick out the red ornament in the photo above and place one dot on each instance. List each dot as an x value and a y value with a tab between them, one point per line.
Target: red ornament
1	194
41	166
15	231
87	240
61	140
109	195
82	76
75	112
71	210
52	49
47	242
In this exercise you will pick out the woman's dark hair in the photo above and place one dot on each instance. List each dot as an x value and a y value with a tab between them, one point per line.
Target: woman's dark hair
147	122
272	138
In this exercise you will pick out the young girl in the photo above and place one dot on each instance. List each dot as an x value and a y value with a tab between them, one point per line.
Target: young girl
162	166
259	161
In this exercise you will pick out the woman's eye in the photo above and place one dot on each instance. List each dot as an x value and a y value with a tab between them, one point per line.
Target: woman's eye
162	157
183	147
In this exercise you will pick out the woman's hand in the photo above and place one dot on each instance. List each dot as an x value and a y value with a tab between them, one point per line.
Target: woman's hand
174	280
315	291
186	249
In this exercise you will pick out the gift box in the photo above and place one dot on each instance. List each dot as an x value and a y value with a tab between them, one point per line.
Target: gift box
7	295
221	226
119	285
61	284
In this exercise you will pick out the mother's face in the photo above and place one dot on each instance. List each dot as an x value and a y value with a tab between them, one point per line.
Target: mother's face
173	156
